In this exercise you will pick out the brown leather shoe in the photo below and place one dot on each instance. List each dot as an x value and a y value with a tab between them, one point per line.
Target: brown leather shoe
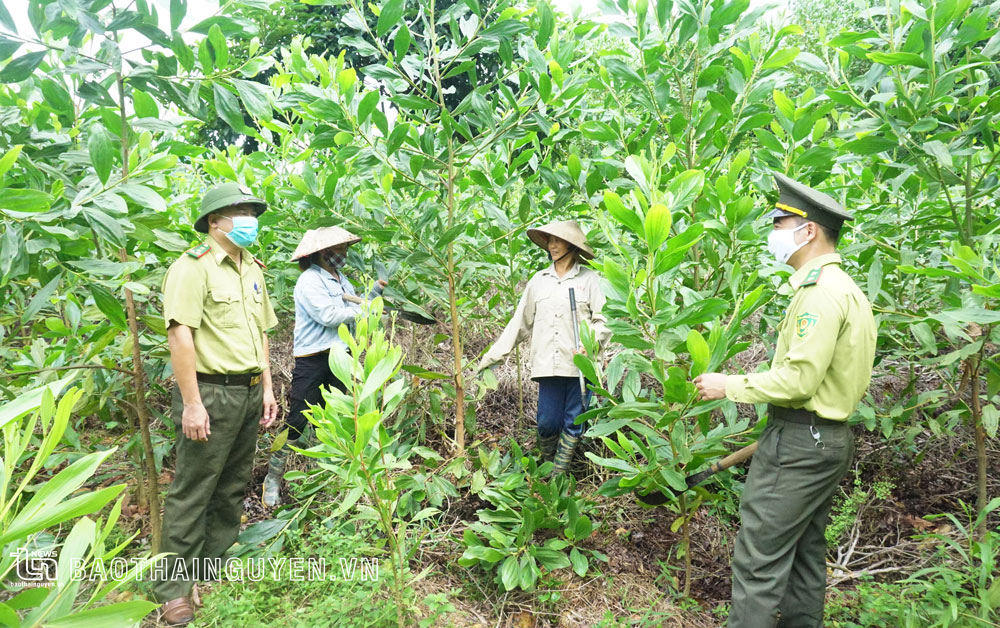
177	612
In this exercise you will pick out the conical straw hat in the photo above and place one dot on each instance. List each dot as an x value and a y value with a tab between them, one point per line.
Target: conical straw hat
567	230
323	238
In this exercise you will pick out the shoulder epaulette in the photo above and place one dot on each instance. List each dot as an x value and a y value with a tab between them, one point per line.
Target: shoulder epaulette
260	263
199	251
812	277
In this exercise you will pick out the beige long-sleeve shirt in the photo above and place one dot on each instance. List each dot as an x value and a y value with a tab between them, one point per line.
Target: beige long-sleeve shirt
543	315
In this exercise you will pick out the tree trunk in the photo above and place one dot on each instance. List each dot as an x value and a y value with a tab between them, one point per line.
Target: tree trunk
152	489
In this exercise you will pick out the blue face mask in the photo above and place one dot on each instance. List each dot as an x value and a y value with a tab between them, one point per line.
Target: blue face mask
244	231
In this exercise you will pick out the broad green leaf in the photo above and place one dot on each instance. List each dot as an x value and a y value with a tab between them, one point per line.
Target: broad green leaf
146	197
9	158
597	130
780	58
102	152
109	306
228	108
367	105
391	13
8	47
686	187
510	575
657	226
219	47
47	507
28	401
5	19
898	58
25	200
22	67
144	104
699	351
254	98
613	203
178	9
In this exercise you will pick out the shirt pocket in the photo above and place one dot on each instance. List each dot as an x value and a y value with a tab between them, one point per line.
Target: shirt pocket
224	307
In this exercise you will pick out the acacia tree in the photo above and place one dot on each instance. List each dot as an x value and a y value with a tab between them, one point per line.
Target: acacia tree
423	164
922	127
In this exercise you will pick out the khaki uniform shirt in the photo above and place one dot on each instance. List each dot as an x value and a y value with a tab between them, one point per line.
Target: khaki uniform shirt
826	347
227	308
543	315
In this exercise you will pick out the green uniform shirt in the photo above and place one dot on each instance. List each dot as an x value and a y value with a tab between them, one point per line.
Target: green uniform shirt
826	347
227	308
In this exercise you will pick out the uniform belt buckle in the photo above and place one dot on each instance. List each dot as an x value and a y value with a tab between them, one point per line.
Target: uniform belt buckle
254	380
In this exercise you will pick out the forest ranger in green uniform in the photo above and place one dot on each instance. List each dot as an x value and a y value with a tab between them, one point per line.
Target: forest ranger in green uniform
217	310
821	369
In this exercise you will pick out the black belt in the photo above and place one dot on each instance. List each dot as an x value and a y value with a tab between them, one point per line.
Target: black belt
231	379
800	416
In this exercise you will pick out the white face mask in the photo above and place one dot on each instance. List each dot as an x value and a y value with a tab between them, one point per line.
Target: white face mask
781	243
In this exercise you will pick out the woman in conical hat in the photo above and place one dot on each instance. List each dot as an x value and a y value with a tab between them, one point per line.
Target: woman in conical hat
324	300
543	316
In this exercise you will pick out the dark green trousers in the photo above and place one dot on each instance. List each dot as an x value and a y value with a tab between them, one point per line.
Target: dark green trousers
779	563
205	502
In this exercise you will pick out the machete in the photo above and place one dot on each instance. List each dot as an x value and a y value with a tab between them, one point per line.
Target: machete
658	497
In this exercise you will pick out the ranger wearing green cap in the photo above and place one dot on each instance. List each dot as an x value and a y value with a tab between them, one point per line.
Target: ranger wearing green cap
821	369
217	311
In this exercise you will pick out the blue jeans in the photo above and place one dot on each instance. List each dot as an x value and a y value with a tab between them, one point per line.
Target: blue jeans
559	403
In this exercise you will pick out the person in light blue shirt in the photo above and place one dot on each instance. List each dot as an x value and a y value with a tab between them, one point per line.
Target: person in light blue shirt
324	300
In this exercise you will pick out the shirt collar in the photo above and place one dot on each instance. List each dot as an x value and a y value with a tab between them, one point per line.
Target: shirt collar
800	275
220	255
325	274
573	272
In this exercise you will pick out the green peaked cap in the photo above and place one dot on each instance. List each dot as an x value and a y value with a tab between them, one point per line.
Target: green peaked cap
222	196
796	199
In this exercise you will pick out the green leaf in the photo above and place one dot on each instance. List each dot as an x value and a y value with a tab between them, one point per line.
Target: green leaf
699	351
47	507
22	67
5	19
686	187
228	108
870	145
597	130
109	306
546	25
8	47
657	226
510	575
178	9
780	58
9	158
898	58
144	104
25	200
254	98
391	13
29	400
579	562
102	151
143	195
219	47
574	166
613	203
367	105
41	298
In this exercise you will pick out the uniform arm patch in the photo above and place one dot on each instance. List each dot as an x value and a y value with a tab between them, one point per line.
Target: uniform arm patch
804	323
